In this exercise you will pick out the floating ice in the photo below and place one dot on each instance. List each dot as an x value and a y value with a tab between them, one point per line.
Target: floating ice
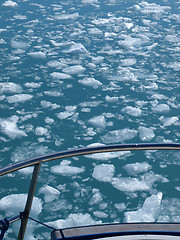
65	114
104	172
46	104
100	214
37	55
10	3
56	64
168	121
149	211
50	193
106	156
58	75
123	75
74	70
98	121
14	204
41	131
89	1
160	108
10	128
146	134
19	98
76	48
111	99
10	87
129	184
136	168
128	62
66	170
74	220
119	135
90	82
96	197
32	85
133	111
18	44
152	8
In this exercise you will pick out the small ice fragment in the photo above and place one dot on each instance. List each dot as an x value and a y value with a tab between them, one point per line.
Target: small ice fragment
10	3
146	134
148	212
58	75
50	193
40	55
129	184
19	98
100	214
104	172
76	48
90	82
41	131
160	108
98	121
121	135
136	168
66	170
133	111
74	70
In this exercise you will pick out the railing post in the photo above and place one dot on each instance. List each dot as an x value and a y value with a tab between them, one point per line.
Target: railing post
29	201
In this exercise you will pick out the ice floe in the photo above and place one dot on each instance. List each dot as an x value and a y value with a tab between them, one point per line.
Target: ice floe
10	87
50	193
149	211
10	3
130	184
19	98
74	220
136	168
58	75
160	108
10	128
98	121
18	44
66	170
168	121
76	48
38	55
41	131
104	172
108	155
74	70
90	82
146	134
133	111
121	135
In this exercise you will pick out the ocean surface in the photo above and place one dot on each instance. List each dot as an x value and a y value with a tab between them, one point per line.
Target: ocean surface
79	72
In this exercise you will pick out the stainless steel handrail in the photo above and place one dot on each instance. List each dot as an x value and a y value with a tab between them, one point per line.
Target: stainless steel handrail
88	150
36	162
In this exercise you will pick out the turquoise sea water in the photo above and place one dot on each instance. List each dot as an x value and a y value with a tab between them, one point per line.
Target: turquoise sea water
75	73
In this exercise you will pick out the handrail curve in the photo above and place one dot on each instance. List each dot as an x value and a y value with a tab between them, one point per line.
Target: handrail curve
88	150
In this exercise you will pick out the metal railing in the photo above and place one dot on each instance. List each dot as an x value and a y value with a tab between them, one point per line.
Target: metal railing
36	162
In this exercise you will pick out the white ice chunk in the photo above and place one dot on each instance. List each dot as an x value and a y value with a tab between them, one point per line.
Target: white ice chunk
100	214
76	48
123	75
32	85
10	3
136	168
111	99
169	121
18	44
96	197
66	170
65	114
74	70
37	55
119	135
149	211
89	1
19	98
41	131
104	172
14	203
90	82
50	193
98	121
106	156
46	104
10	87
10	128
129	184
74	220
58	75
128	62
160	108
146	134
133	111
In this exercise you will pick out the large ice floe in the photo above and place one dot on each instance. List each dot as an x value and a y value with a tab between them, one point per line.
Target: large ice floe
13	204
65	169
149	211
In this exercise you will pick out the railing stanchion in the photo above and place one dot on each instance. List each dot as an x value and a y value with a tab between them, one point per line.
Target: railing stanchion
29	201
